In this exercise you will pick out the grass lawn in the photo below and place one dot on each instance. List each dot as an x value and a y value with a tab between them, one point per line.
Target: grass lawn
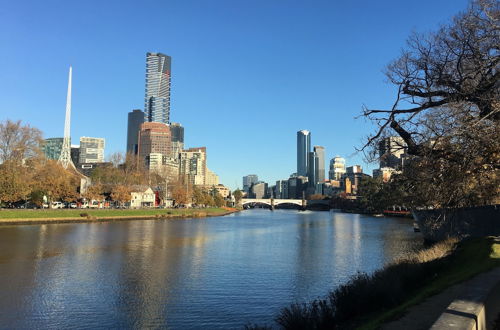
75	213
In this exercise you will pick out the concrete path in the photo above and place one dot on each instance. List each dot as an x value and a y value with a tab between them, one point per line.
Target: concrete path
424	315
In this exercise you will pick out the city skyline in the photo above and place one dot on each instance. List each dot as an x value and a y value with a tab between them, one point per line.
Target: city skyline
220	82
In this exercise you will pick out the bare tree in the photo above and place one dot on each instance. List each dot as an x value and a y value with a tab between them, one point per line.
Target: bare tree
18	142
459	64
447	109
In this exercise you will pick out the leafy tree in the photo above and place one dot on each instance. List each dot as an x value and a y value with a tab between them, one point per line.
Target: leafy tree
95	192
238	195
14	182
56	182
121	194
219	200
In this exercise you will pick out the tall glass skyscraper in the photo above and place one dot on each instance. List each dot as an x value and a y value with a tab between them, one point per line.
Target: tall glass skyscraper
319	166
157	99
135	119
303	149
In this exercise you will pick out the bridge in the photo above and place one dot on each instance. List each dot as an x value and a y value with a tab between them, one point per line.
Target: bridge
273	202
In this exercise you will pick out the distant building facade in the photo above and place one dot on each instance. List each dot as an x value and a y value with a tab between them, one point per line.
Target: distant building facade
154	138
391	152
75	154
135	119
248	180
52	148
337	168
303	149
158	83
193	165
91	150
177	133
258	190
319	163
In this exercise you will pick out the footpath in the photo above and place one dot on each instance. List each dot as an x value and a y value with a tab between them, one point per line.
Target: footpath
473	304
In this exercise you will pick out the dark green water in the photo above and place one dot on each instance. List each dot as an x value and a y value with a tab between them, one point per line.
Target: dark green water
210	273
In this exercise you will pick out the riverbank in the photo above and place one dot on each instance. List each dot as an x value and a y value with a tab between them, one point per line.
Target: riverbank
369	301
27	217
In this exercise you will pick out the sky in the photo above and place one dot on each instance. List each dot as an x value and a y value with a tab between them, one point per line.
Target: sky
246	74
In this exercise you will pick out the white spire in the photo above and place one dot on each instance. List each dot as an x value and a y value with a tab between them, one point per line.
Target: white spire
65	158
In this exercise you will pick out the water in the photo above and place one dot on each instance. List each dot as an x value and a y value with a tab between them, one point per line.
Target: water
221	272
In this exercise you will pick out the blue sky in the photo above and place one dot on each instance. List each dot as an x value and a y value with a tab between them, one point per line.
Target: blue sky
246	75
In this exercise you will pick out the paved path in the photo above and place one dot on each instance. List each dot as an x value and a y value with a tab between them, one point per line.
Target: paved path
424	315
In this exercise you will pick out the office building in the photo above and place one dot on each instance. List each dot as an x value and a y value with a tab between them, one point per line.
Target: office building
154	138
303	149
193	166
211	179
311	168
319	165
259	190
135	119
248	180
75	154
391	152
91	150
337	168
177	132
52	148
158	80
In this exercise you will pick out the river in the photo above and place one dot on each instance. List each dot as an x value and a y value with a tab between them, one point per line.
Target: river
221	272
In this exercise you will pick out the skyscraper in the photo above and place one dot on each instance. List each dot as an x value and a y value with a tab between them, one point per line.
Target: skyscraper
135	119
311	169
154	138
319	164
158	79
303	149
177	132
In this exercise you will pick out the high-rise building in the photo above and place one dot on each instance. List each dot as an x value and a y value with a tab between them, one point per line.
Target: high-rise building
391	152
311	168
193	165
52	148
75	154
177	132
135	119
91	150
248	180
319	164
158	80
303	149
154	138
337	168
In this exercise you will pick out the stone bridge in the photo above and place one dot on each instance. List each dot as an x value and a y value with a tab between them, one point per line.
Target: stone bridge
272	202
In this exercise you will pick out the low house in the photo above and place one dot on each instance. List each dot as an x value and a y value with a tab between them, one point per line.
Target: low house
142	196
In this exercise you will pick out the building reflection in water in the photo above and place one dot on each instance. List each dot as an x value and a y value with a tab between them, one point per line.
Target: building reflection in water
218	272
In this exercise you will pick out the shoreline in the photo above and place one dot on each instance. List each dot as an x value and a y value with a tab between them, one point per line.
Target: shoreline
99	219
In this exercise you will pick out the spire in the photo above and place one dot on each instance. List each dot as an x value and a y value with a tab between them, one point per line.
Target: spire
65	158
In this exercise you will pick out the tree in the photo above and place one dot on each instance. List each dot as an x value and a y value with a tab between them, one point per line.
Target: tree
18	142
121	194
238	195
447	109
95	192
56	182
180	193
219	200
14	182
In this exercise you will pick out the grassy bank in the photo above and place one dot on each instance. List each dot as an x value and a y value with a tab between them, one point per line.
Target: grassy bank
8	216
367	301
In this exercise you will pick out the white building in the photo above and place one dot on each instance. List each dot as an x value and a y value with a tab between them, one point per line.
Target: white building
91	150
142	196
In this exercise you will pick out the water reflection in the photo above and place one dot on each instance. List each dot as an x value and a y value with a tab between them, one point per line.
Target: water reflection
203	273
